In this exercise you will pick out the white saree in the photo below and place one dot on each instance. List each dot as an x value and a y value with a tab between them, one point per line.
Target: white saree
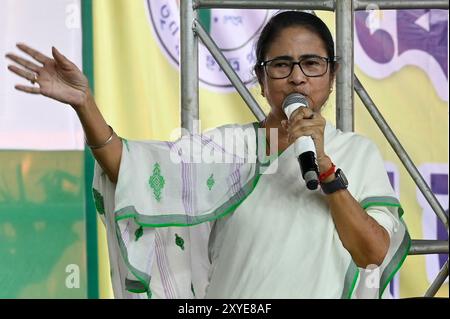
270	236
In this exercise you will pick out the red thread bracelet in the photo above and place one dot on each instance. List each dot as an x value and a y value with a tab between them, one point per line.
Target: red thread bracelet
326	174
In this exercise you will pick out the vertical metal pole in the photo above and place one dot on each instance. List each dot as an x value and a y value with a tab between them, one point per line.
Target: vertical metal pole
188	67
344	77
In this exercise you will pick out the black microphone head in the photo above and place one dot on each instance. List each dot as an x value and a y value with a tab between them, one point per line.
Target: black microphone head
295	98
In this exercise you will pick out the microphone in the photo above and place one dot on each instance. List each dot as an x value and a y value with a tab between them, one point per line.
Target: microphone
304	146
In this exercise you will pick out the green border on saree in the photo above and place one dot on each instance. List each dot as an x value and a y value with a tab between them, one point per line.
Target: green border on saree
402	252
397	261
351	277
387	201
143	278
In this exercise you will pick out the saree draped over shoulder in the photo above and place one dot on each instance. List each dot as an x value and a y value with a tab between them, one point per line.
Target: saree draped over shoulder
208	216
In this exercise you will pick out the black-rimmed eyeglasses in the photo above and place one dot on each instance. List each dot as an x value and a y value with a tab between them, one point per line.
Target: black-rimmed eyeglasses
311	66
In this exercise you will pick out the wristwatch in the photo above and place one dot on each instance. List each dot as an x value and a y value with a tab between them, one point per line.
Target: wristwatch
340	182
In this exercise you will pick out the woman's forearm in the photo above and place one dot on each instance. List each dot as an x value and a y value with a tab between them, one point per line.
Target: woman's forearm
97	132
365	239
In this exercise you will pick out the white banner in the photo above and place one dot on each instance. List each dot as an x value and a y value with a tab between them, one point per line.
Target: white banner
29	121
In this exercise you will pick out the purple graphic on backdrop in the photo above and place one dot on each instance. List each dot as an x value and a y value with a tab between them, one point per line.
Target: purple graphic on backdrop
439	186
432	39
436	175
378	44
386	41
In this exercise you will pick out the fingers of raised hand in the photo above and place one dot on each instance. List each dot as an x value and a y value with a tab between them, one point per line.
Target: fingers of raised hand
38	56
30	76
28	89
23	62
61	59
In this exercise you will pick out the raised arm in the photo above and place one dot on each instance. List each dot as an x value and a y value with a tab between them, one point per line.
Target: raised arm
60	79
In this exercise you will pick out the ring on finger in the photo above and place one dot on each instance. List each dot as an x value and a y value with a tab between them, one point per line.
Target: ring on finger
34	79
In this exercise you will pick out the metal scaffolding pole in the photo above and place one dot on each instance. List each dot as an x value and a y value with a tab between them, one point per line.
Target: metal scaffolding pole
401	153
188	68
226	67
344	78
425	247
266	4
400	4
437	283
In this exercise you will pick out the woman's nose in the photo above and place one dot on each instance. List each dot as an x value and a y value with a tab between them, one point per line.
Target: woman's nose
297	76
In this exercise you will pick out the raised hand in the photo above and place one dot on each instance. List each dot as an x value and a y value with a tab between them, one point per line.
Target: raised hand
57	78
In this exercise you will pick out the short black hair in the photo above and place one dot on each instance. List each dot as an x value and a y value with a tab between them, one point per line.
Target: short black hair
286	19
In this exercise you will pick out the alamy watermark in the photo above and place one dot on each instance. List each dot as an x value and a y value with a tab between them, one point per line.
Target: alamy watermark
73	277
226	146
73	16
372	277
373	19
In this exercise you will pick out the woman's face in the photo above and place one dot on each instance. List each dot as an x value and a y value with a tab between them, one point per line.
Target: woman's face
296	42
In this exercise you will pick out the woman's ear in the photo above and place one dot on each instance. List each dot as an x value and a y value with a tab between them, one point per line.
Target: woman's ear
333	75
337	66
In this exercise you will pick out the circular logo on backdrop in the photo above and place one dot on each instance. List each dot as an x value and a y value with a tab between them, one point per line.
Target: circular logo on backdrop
234	31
